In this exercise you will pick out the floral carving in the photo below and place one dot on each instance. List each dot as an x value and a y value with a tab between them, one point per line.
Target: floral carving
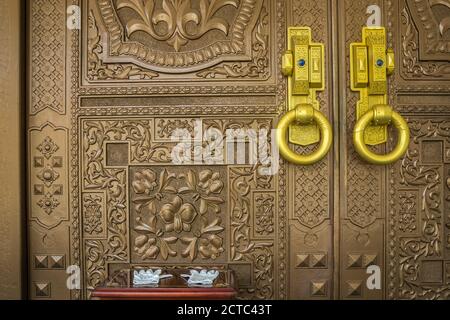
258	67
98	70
176	15
151	242
243	246
48	203
410	51
93	215
159	196
178	36
144	181
407	212
177	214
48	147
166	127
209	183
429	182
205	241
136	132
264	216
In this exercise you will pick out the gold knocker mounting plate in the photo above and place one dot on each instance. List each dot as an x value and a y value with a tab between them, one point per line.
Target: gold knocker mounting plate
370	64
303	64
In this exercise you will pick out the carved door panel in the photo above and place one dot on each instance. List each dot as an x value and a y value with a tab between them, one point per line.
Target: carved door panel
105	192
396	216
105	100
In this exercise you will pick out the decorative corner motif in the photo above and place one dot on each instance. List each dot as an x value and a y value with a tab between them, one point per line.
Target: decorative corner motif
258	67
425	49
99	70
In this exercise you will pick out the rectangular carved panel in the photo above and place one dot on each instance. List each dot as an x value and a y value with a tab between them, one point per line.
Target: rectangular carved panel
146	211
418	220
136	43
48	180
48	151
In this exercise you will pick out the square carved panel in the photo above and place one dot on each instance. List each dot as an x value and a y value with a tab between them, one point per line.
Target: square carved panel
178	214
138	208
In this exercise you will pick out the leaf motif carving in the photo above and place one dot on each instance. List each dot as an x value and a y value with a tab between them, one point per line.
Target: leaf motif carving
176	15
168	213
98	70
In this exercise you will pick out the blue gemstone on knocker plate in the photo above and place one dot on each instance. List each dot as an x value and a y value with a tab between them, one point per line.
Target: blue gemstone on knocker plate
380	62
301	63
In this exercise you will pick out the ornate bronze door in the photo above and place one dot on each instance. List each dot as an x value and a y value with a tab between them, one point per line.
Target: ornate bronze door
111	82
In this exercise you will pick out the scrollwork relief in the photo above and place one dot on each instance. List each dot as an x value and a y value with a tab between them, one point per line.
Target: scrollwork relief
177	214
98	70
96	177
243	248
444	22
413	65
427	179
89	134
93	214
408	212
264	214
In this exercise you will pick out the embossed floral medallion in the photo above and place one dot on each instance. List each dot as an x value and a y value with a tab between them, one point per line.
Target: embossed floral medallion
178	214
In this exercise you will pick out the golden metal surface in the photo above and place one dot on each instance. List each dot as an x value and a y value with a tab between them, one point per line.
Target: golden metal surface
370	79
381	115
370	63
304	65
304	114
100	174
